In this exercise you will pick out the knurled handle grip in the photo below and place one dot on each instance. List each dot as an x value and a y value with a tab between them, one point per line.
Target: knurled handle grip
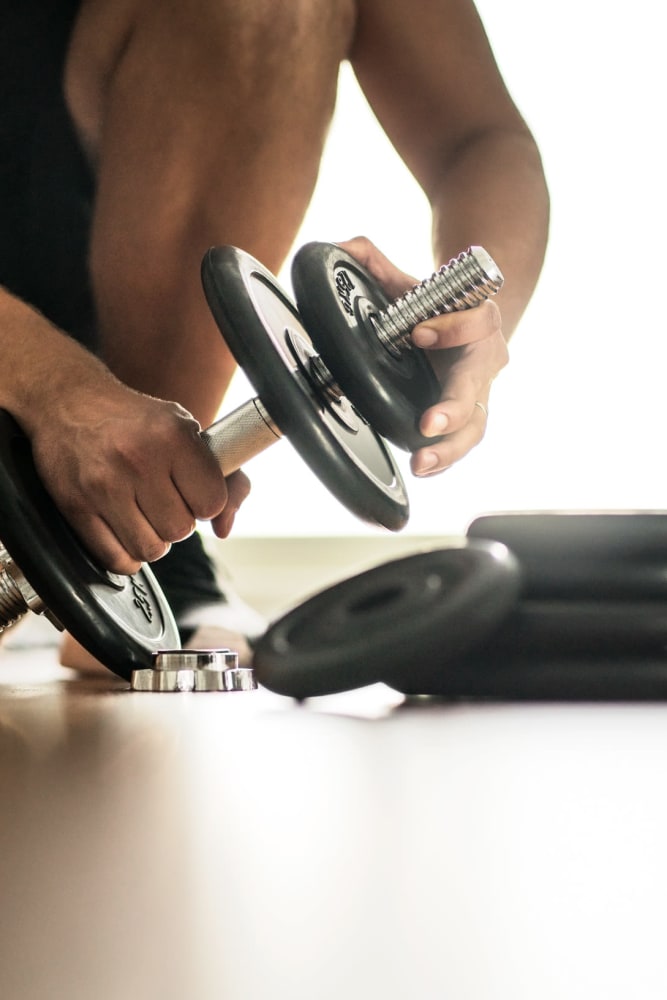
242	434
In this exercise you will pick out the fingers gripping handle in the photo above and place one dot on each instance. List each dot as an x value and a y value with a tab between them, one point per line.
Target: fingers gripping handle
242	434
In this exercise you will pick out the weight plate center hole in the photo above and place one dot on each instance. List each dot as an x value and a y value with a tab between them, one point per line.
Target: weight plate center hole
321	380
379	600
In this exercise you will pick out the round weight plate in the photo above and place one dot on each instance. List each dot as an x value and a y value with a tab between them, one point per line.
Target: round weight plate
121	620
262	326
557	676
579	556
592	627
336	297
558	649
392	623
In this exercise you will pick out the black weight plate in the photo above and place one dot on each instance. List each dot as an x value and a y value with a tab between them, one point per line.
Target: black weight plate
258	320
390	623
591	627
336	296
120	620
567	652
582	555
559	649
565	677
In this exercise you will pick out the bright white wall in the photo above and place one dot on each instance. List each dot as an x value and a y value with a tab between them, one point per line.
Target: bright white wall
577	418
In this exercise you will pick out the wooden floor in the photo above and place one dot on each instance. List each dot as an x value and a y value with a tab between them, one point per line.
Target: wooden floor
238	847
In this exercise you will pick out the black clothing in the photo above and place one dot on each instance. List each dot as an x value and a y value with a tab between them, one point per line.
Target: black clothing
46	186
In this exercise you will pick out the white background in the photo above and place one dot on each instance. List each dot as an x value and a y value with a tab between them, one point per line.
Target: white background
577	418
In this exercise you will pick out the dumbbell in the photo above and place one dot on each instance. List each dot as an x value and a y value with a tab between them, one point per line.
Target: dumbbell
365	382
296	396
125	621
548	605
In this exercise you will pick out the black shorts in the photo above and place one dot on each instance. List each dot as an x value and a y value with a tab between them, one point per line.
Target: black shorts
46	187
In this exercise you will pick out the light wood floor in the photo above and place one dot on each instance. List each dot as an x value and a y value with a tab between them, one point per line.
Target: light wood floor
241	847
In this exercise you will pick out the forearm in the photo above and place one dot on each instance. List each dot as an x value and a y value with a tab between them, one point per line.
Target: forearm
129	472
492	193
41	364
431	77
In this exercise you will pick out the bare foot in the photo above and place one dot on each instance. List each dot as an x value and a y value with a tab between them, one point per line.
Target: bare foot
74	656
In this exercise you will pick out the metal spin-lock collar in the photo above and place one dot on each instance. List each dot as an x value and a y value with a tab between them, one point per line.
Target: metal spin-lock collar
194	670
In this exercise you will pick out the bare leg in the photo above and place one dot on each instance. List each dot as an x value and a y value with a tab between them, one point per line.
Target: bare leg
200	132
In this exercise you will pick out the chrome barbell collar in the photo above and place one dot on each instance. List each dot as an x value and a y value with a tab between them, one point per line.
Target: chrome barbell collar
194	670
17	596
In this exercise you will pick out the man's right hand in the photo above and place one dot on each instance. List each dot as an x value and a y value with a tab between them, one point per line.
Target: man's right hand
130	473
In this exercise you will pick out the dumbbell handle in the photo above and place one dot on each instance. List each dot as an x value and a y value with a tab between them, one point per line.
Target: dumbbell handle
240	435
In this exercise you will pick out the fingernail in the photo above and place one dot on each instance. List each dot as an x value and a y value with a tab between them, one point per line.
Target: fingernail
427	463
424	336
438	424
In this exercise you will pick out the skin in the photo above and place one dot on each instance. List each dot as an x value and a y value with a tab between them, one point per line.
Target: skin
195	115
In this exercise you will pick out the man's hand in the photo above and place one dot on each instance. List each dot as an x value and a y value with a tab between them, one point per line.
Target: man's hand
466	349
130	473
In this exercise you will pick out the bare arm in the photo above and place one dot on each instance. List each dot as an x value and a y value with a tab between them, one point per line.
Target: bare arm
429	73
128	471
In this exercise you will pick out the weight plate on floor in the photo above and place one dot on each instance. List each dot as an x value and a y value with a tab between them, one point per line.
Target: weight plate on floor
393	623
560	650
265	334
336	297
593	627
582	555
120	620
553	676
